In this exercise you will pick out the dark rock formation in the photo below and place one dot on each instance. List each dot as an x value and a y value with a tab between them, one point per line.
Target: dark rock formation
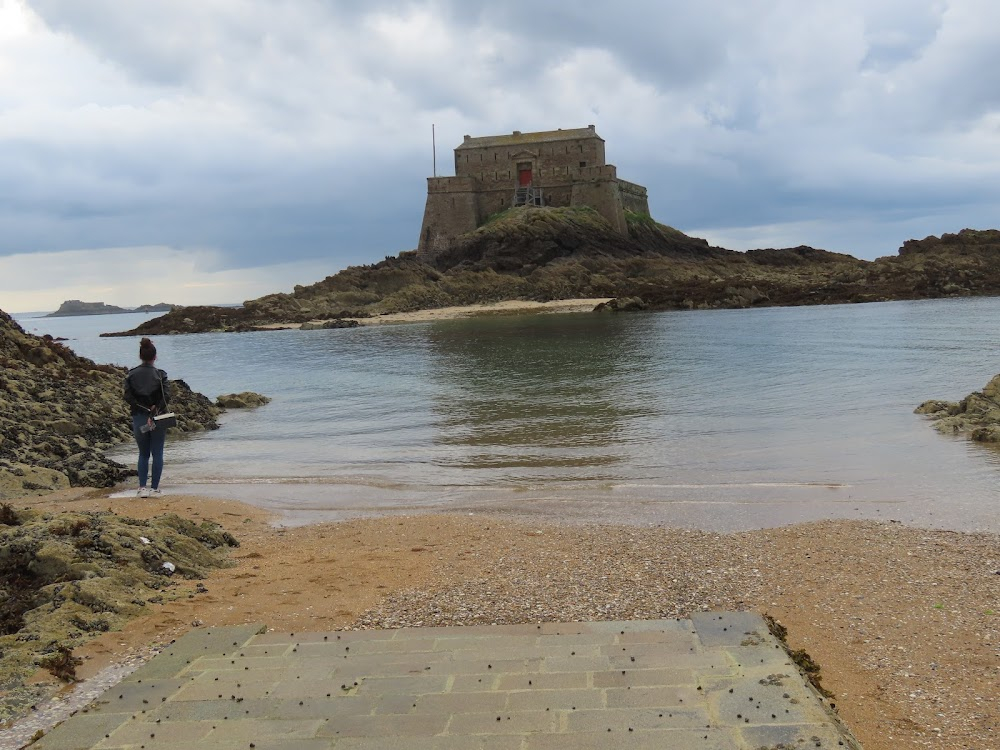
59	412
317	325
245	400
977	415
621	304
77	307
561	253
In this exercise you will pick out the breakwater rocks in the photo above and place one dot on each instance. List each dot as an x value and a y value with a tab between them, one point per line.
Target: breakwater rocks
544	254
59	412
976	416
66	577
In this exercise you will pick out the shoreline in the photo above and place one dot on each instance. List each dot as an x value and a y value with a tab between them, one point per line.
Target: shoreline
897	617
506	307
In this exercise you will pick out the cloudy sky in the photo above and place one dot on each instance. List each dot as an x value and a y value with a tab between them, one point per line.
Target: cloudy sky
199	151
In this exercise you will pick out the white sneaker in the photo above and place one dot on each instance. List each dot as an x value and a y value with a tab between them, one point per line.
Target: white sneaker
155	493
143	492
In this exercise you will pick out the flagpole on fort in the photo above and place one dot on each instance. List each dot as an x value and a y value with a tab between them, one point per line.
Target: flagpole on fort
434	150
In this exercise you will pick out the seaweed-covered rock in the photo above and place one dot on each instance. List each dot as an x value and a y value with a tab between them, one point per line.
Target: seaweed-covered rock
621	304
976	416
245	400
68	576
59	412
318	325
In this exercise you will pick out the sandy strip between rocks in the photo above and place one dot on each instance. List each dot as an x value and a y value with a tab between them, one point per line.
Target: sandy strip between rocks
903	621
508	307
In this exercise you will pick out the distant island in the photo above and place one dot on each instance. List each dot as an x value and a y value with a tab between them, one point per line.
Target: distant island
77	307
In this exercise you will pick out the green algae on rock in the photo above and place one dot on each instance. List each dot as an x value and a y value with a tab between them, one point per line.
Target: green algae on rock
977	415
67	577
244	400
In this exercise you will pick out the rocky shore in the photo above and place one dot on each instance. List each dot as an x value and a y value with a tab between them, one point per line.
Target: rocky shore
66	577
59	412
544	254
977	416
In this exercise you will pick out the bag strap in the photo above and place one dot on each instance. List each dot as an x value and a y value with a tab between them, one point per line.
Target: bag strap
163	394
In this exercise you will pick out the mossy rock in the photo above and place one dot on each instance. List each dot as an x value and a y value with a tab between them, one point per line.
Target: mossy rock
67	577
244	400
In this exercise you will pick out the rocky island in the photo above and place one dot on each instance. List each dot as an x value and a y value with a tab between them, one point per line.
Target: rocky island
541	254
73	307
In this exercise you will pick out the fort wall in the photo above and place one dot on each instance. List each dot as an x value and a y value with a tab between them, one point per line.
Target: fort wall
451	210
566	168
634	197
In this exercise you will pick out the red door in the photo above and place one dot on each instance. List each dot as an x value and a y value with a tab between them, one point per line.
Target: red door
523	176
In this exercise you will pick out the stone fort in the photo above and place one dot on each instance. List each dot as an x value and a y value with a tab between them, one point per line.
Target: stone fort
551	168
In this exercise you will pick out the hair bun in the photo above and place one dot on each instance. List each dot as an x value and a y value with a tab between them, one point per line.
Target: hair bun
147	352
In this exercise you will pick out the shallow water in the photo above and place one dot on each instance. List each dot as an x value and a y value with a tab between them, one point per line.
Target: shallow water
717	419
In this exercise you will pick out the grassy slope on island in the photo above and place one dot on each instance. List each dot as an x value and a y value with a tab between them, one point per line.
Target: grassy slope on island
561	253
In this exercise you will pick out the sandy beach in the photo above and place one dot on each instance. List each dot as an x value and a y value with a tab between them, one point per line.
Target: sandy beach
507	307
903	621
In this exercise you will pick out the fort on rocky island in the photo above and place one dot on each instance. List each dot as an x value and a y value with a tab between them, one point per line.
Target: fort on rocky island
551	168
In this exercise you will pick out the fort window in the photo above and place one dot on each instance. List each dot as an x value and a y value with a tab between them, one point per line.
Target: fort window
583	163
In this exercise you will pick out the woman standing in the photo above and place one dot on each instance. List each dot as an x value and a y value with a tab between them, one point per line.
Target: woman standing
147	395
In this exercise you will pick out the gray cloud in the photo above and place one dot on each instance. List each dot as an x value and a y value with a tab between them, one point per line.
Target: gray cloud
302	130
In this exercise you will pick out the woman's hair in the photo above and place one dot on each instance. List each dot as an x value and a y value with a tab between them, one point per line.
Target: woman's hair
147	352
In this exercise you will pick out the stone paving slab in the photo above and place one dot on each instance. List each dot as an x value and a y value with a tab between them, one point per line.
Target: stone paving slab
718	681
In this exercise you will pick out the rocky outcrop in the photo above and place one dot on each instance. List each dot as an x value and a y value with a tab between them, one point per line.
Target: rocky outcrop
977	415
67	577
621	304
245	400
319	325
59	412
545	254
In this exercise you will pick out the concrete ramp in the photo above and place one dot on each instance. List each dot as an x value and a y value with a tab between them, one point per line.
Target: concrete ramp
718	681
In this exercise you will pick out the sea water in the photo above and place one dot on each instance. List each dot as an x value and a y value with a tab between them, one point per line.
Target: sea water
721	420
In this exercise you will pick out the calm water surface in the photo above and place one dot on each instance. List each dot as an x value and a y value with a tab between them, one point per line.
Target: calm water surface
718	419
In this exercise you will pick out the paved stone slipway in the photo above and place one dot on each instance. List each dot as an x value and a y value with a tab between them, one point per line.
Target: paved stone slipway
718	681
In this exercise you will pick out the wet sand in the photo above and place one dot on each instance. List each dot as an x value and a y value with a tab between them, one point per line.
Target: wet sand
903	621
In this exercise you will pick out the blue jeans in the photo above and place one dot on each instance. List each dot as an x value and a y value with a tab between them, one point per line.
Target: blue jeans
150	444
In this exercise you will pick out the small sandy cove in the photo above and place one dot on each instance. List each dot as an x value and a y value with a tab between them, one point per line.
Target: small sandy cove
904	622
